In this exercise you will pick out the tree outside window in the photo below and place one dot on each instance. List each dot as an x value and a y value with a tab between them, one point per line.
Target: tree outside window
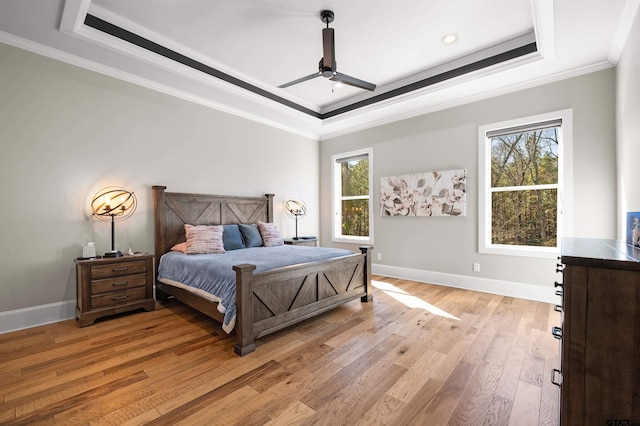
355	197
352	175
524	188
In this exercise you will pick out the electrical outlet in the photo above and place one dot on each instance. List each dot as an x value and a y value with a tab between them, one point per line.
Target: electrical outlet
476	267
378	256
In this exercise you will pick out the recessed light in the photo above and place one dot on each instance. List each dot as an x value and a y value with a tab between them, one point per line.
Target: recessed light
449	38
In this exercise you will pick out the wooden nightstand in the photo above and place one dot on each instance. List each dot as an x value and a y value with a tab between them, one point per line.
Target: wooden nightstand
313	242
108	286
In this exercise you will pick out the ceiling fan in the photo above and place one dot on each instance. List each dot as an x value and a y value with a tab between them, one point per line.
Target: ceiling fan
327	66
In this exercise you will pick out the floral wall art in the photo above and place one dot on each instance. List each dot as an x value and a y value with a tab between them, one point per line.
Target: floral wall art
441	193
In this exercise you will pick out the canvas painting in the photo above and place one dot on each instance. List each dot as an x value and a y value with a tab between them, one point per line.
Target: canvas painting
441	193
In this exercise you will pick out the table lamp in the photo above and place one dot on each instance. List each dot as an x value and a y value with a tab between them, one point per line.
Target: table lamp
113	204
295	208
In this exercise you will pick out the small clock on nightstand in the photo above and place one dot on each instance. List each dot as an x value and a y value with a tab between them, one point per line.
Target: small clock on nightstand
302	241
108	286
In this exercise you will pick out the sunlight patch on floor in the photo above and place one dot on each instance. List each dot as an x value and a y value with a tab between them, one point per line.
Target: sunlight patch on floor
410	301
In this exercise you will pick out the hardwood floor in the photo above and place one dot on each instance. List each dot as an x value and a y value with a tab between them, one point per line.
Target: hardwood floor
419	354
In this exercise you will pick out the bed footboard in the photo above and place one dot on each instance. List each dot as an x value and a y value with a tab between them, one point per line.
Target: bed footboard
271	300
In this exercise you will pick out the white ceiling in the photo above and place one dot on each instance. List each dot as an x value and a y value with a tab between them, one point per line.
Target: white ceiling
257	45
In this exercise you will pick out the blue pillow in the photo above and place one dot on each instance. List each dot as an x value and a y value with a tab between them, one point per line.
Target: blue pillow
231	238
251	235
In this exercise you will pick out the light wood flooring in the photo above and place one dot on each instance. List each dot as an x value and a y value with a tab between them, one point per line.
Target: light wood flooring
419	354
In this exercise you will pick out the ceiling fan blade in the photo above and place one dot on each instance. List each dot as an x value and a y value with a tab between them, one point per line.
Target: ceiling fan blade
328	49
300	80
352	81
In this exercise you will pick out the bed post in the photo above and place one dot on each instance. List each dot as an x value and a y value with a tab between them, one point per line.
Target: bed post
158	218
158	230
269	198
244	309
368	297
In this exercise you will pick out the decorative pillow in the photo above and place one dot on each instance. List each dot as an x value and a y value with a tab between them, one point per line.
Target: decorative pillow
181	247
231	238
204	239
270	233
250	235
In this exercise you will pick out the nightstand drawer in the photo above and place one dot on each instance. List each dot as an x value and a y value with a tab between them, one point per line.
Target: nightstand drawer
118	297
108	286
118	269
118	283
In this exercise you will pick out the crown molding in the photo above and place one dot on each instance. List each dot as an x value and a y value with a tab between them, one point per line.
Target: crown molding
628	15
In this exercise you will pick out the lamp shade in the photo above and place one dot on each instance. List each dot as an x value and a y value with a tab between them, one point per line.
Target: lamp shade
295	208
113	204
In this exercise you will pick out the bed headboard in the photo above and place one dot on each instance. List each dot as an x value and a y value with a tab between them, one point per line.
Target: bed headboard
171	210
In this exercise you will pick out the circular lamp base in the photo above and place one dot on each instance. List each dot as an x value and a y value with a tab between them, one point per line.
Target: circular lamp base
116	253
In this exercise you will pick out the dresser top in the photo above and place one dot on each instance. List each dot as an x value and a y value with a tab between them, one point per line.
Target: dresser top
600	252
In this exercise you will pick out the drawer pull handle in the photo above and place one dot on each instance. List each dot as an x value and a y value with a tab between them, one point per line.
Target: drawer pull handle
559	293
557	372
120	283
119	269
120	297
557	284
557	308
557	332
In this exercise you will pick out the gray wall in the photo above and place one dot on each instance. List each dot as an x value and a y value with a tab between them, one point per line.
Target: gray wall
628	127
448	139
66	132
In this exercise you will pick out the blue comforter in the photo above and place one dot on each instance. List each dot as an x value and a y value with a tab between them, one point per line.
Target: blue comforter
213	273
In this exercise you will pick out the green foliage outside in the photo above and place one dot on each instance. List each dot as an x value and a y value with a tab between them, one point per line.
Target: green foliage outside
355	213
525	216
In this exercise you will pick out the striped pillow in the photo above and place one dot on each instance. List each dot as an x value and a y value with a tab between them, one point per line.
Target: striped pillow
270	233
204	239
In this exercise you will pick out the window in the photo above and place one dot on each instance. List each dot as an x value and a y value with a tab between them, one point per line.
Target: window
522	166
352	183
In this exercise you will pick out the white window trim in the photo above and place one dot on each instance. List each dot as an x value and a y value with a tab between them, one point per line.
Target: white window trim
565	186
336	181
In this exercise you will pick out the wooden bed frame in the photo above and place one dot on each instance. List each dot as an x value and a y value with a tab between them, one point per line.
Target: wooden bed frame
266	301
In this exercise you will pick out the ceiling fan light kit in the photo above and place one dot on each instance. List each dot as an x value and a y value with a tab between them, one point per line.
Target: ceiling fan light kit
327	67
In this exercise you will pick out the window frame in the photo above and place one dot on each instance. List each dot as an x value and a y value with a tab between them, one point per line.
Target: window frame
565	183
336	198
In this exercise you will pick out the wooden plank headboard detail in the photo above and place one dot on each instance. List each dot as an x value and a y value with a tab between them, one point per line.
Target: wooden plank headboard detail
172	210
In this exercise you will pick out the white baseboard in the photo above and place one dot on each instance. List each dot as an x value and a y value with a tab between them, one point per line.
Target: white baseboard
503	288
54	312
36	315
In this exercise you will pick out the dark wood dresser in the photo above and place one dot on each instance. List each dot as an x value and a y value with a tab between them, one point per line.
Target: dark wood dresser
108	286
600	333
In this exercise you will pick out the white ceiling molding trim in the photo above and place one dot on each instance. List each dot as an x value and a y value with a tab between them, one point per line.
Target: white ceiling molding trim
628	15
79	9
544	24
105	36
383	117
458	63
235	65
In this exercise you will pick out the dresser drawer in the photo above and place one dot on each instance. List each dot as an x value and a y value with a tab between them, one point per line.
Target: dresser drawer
118	297
118	269
118	283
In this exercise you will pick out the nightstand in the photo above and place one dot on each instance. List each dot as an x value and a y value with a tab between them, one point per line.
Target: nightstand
108	286
313	242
